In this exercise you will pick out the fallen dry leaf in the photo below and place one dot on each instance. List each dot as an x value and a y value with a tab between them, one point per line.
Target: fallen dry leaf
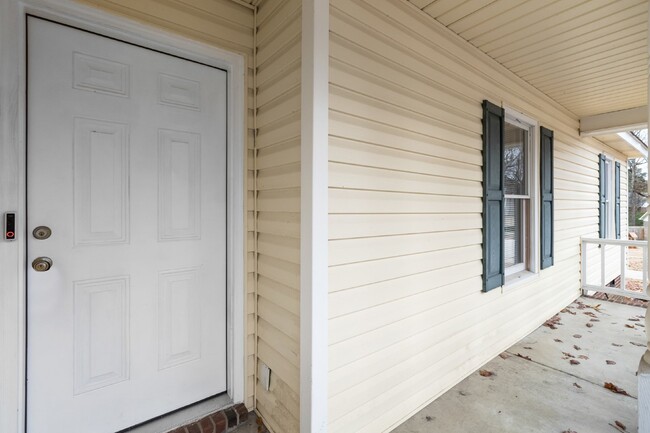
633	319
553	322
589	313
583	357
557	340
610	362
567	355
504	355
576	385
485	373
594	320
524	356
627	325
589	325
569	431
574	362
619	345
529	348
577	336
615	388
637	344
620	424
576	347
568	310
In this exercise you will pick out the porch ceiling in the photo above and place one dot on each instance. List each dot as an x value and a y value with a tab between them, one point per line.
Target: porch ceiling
588	55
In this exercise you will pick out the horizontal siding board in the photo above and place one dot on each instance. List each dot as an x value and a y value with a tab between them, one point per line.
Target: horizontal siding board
355	201
353	152
346	251
284	296
369	131
345	302
350	53
280	247
358	177
279	223
345	100
349	226
363	82
358	274
282	177
279	154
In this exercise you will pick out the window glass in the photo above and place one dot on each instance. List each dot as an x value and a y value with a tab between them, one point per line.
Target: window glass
517	198
515	160
514	236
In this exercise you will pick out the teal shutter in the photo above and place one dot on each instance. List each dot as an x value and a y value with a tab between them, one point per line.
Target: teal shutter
602	223
546	182
493	196
617	194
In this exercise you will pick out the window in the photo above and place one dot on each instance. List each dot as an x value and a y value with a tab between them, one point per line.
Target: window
610	198
608	208
516	172
517	196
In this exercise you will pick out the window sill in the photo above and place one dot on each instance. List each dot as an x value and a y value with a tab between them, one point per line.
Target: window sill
518	278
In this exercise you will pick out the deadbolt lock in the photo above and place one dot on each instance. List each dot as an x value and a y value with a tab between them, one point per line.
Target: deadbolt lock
42	264
42	232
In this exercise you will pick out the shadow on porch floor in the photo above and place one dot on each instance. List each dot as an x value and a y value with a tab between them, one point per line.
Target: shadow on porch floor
552	381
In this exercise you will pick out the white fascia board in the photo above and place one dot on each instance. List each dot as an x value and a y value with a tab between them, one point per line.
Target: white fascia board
635	143
614	121
314	216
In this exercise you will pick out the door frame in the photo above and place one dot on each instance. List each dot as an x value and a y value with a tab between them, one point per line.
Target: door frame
13	177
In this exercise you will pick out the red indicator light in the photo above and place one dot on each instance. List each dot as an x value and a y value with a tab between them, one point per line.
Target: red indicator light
10	235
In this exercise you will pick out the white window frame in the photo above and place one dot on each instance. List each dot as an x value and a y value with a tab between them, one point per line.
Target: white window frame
530	265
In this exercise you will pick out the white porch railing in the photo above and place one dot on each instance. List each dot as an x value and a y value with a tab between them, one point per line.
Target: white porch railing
605	260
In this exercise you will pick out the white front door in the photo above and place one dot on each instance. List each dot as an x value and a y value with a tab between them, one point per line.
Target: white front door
126	166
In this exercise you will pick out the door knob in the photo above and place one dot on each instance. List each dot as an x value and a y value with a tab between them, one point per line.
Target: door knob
42	264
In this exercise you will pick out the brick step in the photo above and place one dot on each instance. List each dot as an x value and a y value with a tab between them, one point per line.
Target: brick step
222	421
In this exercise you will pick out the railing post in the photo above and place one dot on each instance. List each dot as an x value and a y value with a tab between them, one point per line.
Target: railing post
623	267
583	266
602	265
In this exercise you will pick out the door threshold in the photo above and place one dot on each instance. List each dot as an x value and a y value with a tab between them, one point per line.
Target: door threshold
183	416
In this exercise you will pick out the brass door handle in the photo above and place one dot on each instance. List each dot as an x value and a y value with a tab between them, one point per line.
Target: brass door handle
42	264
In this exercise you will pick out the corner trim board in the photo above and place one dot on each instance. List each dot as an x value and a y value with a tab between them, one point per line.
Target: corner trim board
314	216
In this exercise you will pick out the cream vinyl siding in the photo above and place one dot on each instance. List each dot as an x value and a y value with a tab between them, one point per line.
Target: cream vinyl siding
228	25
278	209
408	319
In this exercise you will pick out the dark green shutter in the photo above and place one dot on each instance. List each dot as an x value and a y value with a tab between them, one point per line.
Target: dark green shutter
546	182
617	194
602	223
493	196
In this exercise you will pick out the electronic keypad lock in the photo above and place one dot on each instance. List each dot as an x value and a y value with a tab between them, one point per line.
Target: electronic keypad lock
10	226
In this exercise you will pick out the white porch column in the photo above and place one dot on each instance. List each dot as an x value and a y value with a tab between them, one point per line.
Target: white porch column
644	366
314	216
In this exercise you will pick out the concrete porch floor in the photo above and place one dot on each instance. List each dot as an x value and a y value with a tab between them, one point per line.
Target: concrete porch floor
534	386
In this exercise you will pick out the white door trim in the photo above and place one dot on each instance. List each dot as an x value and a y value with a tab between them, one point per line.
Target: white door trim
13	84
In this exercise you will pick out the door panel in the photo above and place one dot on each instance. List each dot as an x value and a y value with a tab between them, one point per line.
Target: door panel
127	166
